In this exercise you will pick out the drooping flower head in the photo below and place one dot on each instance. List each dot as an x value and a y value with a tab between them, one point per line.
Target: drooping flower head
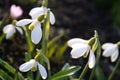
15	11
80	47
36	15
35	12
33	65
10	29
36	33
111	50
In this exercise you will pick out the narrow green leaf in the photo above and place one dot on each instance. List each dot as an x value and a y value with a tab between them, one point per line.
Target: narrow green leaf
4	75
51	50
60	52
10	68
65	73
99	73
66	66
2	37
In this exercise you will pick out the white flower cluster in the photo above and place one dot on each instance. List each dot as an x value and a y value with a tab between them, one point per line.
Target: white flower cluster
36	33
81	48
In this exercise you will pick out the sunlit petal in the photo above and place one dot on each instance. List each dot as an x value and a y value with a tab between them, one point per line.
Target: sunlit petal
42	71
20	30
52	18
115	56
36	33
24	22
109	51
79	51
9	30
36	9
107	45
35	12
74	41
91	61
27	66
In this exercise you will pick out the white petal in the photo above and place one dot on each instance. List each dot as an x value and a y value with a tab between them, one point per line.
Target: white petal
114	56
9	30
109	51
42	71
20	30
36	33
107	45
75	41
79	51
24	22
27	66
52	18
91	61
35	12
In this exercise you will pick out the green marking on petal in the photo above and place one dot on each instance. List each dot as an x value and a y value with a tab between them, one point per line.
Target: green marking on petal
31	27
34	68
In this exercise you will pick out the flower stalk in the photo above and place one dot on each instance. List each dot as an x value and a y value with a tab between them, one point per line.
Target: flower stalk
83	72
97	57
115	68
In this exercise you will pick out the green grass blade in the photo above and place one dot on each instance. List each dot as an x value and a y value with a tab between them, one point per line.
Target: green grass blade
65	73
4	75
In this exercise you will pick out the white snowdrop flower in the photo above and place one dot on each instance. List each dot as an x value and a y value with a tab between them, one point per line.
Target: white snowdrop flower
35	12
10	29
111	50
35	26
81	48
33	65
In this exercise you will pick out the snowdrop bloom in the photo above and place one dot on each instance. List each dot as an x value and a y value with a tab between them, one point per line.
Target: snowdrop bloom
16	11
10	29
35	12
32	65
35	26
81	48
111	50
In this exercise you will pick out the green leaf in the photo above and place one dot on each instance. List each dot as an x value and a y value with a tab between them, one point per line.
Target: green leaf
2	37
51	50
10	69
99	73
4	75
60	52
65	73
66	66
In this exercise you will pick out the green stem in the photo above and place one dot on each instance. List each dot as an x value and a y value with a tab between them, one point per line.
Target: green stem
83	72
45	3
28	39
97	60
113	72
4	20
46	28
